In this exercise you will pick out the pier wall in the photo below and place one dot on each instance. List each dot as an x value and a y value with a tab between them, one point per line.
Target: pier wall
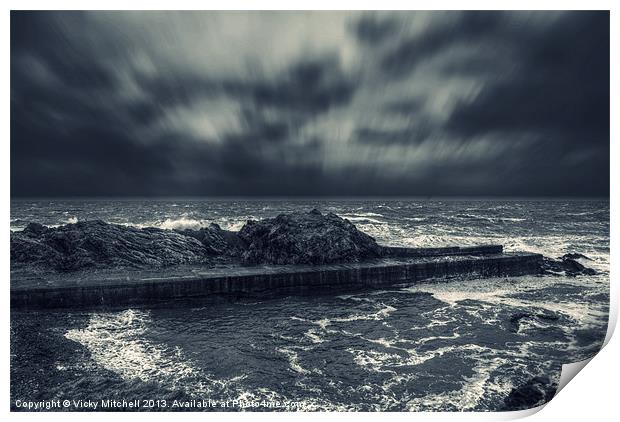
275	282
394	251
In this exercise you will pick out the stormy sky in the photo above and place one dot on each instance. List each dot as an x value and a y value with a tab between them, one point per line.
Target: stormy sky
309	103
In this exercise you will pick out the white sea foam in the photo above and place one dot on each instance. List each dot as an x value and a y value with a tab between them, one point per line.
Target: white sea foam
182	223
233	224
380	361
187	222
473	390
293	359
360	214
382	313
117	342
491	293
70	220
324	323
314	336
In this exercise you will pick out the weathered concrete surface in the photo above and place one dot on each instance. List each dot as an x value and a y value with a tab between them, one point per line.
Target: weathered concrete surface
394	251
97	289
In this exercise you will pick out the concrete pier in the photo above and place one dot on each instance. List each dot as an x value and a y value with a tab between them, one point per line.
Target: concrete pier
395	251
400	266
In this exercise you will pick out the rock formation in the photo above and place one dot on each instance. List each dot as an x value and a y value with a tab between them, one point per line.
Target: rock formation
566	264
96	244
306	238
298	238
217	241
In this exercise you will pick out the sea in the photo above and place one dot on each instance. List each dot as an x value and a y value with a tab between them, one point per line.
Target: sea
446	345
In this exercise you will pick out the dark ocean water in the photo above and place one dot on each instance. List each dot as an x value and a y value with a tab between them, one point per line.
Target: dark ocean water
457	345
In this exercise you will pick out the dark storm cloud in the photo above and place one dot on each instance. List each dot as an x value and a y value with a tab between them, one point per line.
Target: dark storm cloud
373	29
312	86
308	87
41	34
406	107
407	136
560	86
474	103
559	96
469	28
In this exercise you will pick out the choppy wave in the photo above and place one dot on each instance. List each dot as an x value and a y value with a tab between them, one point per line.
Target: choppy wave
181	223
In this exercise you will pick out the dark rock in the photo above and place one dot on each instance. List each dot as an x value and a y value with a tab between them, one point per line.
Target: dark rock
298	238
575	256
306	238
97	244
541	315
35	229
536	392
566	265
215	240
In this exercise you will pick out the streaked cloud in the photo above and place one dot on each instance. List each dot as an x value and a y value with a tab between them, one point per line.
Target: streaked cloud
309	103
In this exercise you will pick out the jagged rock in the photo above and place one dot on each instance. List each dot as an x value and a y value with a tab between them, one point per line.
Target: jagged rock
566	264
35	228
575	256
216	240
298	238
306	238
535	392
101	245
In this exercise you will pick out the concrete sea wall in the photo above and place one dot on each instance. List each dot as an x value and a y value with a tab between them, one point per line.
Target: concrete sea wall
270	281
395	251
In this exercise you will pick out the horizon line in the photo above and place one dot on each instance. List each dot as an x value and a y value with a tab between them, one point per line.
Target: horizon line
300	197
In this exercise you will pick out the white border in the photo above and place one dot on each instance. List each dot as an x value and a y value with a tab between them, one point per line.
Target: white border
590	397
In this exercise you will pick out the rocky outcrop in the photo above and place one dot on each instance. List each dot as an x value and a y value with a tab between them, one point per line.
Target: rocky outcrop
576	256
306	238
298	238
96	244
566	264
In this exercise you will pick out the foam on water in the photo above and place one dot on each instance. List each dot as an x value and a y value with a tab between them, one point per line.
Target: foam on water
115	341
293	360
383	312
181	223
468	397
496	292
